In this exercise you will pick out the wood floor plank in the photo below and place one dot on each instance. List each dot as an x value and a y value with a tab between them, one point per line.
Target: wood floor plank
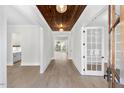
59	74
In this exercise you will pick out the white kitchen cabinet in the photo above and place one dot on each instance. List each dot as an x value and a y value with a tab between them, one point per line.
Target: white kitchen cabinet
16	56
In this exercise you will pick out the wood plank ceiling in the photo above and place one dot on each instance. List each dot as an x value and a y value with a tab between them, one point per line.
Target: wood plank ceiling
58	20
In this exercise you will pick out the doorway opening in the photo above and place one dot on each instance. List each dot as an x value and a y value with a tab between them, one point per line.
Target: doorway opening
16	49
60	49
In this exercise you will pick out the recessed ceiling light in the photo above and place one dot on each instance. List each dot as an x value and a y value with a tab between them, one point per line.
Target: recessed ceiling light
61	30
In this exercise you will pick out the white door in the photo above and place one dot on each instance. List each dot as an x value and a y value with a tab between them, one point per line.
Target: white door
94	50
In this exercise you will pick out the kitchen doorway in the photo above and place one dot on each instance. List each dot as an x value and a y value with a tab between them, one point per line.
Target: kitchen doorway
16	49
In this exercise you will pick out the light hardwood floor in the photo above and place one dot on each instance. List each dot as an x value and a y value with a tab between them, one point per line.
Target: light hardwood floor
59	74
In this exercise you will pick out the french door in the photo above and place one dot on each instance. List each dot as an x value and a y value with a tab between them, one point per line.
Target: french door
94	50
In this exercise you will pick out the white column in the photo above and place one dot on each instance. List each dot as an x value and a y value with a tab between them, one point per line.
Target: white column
41	51
3	48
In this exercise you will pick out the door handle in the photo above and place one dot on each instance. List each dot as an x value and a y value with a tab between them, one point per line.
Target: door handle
102	57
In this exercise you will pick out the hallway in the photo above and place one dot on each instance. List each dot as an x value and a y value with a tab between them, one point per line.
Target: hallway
59	74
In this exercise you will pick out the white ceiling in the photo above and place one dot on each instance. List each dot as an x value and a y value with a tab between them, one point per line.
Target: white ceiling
28	15
87	18
21	15
25	15
101	19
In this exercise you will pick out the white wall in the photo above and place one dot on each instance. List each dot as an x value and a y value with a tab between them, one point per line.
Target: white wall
16	39
37	46
83	21
86	17
47	49
29	41
46	41
76	49
36	38
3	47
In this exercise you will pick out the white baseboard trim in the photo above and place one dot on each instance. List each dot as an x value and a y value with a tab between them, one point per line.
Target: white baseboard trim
76	67
83	73
3	85
69	58
28	64
52	58
121	81
9	64
42	70
24	65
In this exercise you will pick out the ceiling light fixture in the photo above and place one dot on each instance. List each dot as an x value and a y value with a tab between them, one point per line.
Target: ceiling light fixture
61	30
61	25
61	8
